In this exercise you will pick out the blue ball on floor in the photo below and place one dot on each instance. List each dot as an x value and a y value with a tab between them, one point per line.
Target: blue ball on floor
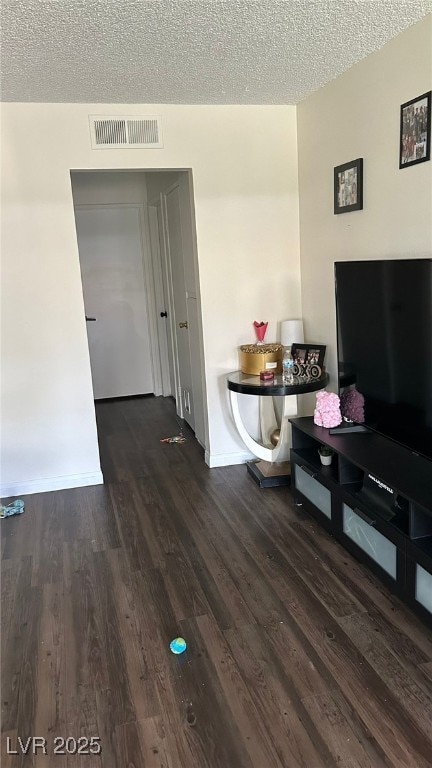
178	645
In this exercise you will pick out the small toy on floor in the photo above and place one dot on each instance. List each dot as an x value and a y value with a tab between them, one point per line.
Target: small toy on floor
14	508
178	645
175	439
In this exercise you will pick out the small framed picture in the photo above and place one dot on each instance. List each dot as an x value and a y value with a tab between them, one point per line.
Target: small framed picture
348	186
308	359
415	131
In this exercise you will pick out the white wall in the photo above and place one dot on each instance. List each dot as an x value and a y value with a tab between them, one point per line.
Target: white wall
244	165
357	115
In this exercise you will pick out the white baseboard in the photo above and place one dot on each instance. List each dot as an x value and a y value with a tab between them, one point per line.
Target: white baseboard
227	459
44	484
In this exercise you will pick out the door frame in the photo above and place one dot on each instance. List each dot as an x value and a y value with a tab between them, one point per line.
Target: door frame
166	259
154	213
163	259
152	265
149	287
198	385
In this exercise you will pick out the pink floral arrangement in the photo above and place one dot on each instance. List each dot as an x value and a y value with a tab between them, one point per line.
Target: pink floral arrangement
352	406
260	330
327	410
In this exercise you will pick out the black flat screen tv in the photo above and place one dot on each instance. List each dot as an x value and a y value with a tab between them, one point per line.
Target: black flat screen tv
384	332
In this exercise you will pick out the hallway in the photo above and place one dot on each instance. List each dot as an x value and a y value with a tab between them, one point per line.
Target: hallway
296	655
129	434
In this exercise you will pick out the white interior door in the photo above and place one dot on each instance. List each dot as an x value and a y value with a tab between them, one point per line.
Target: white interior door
111	257
167	326
179	308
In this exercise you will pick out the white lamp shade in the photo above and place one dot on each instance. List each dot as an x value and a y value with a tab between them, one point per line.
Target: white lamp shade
291	332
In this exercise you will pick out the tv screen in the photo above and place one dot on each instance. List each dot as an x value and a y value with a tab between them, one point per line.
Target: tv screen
384	330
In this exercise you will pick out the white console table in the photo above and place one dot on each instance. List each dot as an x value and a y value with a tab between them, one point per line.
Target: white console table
273	467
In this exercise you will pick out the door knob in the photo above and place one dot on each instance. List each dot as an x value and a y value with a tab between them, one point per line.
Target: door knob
183	325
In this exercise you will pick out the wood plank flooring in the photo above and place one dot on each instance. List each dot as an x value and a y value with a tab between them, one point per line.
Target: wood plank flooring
297	656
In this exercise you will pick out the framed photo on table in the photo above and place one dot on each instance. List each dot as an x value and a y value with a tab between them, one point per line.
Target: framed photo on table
415	131
308	359
348	186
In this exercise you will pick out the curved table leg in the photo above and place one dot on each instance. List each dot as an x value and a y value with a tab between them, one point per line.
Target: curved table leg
264	449
258	449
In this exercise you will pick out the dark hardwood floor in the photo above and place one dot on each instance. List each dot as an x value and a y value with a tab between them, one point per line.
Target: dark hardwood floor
297	655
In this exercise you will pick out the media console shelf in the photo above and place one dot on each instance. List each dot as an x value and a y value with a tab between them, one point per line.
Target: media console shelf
376	499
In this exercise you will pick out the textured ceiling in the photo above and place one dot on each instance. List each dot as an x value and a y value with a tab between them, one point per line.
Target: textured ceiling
189	51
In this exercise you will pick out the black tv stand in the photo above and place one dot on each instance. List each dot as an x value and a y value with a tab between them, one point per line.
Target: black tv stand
376	499
347	426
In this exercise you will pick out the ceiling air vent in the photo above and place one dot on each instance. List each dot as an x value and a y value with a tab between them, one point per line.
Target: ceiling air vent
128	132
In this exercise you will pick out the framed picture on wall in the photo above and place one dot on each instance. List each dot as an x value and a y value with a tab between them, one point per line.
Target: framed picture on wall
415	131
348	186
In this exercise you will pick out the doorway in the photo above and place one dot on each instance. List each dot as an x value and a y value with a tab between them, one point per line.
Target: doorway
115	299
137	248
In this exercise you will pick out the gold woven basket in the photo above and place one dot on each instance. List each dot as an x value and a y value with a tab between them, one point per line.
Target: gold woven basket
254	358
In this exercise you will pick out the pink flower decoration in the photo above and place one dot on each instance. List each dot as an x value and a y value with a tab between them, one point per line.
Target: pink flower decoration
352	406
327	410
260	330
